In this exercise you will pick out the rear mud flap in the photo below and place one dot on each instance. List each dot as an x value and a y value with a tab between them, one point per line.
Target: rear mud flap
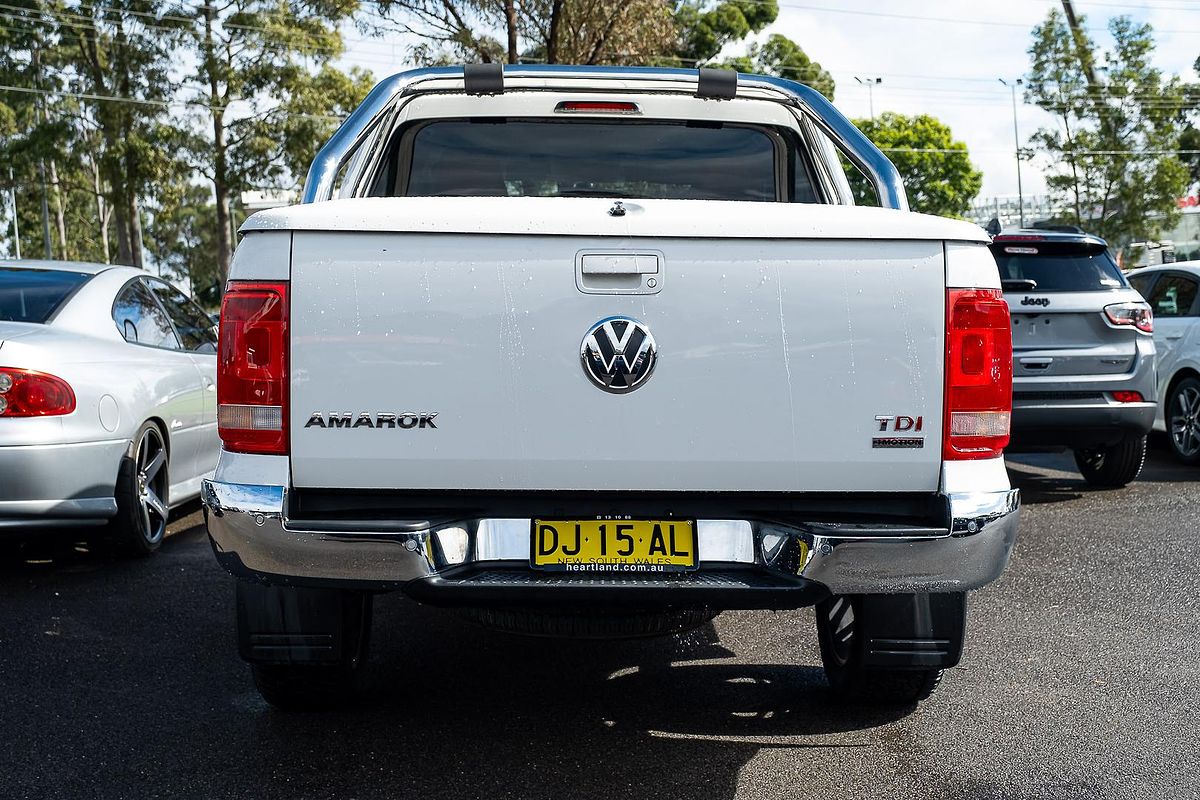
294	625
915	631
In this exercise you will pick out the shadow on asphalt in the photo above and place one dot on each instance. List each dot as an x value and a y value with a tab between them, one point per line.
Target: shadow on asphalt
82	549
521	717
1028	472
128	671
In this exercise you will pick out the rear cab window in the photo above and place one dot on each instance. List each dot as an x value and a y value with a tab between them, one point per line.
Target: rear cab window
533	157
34	295
1040	266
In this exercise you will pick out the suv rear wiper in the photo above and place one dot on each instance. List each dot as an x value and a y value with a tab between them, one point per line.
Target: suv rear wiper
588	193
1019	284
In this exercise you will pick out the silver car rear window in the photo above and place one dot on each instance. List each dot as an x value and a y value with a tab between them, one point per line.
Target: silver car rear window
33	295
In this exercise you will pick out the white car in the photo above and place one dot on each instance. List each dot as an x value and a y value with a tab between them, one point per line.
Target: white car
107	399
602	352
1172	290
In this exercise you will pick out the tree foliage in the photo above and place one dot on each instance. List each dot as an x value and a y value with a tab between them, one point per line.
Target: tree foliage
137	125
537	31
131	113
273	60
684	33
704	29
1111	153
937	170
781	56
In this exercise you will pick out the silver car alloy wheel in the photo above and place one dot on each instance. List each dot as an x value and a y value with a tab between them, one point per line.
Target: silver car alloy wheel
152	485
1185	421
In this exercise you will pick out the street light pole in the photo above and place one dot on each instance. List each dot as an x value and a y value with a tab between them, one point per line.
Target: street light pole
1017	143
870	84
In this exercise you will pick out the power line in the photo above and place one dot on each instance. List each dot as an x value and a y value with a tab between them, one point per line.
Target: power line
156	103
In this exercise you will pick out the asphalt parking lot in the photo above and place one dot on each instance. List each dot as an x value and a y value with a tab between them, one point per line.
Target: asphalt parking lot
1081	679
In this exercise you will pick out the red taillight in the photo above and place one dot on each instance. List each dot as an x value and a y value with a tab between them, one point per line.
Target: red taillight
252	363
1138	315
979	366
1127	397
596	107
25	393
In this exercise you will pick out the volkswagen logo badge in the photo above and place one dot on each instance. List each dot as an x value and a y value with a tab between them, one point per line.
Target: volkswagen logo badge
618	354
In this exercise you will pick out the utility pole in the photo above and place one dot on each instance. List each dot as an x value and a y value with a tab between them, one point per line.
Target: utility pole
1017	143
870	84
1077	36
37	105
12	193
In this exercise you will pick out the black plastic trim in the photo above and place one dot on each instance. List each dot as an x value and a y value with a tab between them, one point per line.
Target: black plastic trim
483	78
913	631
716	84
397	510
726	587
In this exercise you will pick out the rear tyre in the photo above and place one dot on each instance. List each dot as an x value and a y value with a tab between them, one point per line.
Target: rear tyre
140	525
839	625
317	686
306	687
1183	420
1113	466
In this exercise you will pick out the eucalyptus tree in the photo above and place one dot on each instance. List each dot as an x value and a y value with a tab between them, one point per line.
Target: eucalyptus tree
265	94
1113	150
118	59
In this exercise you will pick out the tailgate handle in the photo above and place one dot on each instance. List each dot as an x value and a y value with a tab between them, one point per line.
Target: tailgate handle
1035	363
619	264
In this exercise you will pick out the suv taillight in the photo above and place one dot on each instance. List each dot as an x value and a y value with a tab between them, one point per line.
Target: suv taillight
252	363
979	367
1138	315
25	393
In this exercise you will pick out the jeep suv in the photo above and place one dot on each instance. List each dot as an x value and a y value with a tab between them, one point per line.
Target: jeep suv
1083	353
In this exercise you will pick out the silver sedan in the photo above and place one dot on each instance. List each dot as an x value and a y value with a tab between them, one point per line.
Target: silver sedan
107	399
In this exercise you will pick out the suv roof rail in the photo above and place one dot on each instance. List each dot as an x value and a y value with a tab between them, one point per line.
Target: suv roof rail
706	83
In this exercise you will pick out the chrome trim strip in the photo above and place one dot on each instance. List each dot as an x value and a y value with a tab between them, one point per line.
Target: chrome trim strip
75	508
250	534
338	151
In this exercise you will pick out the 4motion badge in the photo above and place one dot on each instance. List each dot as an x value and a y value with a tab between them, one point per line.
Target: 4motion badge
618	354
899	423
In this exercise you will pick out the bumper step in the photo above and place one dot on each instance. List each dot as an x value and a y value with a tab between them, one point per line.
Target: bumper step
731	587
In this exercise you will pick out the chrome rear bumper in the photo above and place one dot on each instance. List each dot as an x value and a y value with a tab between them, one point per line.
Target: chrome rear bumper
253	539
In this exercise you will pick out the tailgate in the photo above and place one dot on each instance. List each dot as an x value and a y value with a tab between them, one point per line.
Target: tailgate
1065	334
777	362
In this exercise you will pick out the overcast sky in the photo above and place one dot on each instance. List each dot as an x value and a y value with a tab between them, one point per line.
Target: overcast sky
939	57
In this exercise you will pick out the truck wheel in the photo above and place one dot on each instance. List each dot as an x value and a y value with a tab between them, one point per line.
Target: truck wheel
306	687
842	652
1183	421
306	647
1113	466
141	494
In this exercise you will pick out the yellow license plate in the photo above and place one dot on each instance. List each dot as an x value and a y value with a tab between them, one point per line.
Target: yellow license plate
619	546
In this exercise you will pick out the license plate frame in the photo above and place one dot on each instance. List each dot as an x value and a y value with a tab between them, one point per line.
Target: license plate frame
608	559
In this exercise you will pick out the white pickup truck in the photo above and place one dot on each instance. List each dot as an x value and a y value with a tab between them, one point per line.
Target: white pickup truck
603	352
